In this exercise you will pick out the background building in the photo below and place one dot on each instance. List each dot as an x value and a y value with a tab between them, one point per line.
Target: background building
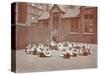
37	22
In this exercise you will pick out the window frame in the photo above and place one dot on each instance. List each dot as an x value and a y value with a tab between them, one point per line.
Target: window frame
74	21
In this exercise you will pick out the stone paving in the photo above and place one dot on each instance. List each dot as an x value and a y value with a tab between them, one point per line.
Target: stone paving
34	63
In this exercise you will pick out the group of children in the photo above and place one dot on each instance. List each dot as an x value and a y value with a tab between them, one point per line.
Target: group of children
40	49
68	49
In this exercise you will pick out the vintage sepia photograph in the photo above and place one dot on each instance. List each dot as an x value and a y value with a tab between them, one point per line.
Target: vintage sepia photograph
53	37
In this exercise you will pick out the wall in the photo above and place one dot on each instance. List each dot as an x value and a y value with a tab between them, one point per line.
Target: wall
31	34
37	32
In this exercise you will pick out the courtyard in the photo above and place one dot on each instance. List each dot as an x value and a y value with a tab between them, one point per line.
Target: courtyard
34	63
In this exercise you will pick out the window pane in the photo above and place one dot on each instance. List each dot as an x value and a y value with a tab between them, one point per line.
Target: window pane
74	25
89	23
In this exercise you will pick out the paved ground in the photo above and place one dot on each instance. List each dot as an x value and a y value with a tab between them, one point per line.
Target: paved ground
33	63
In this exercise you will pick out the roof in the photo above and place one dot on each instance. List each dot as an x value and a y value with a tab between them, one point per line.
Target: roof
59	7
62	7
71	12
68	11
44	15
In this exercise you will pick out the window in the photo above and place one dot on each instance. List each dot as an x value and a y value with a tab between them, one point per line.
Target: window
88	16
46	24
89	20
55	22
55	14
74	25
88	25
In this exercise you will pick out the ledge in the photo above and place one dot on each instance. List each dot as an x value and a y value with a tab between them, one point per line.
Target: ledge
87	33
74	33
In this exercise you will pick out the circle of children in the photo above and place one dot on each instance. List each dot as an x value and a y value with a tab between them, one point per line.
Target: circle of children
68	49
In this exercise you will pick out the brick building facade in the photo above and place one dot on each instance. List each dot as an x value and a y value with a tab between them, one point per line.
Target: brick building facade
40	22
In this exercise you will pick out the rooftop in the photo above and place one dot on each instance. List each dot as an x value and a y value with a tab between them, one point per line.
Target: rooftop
70	11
